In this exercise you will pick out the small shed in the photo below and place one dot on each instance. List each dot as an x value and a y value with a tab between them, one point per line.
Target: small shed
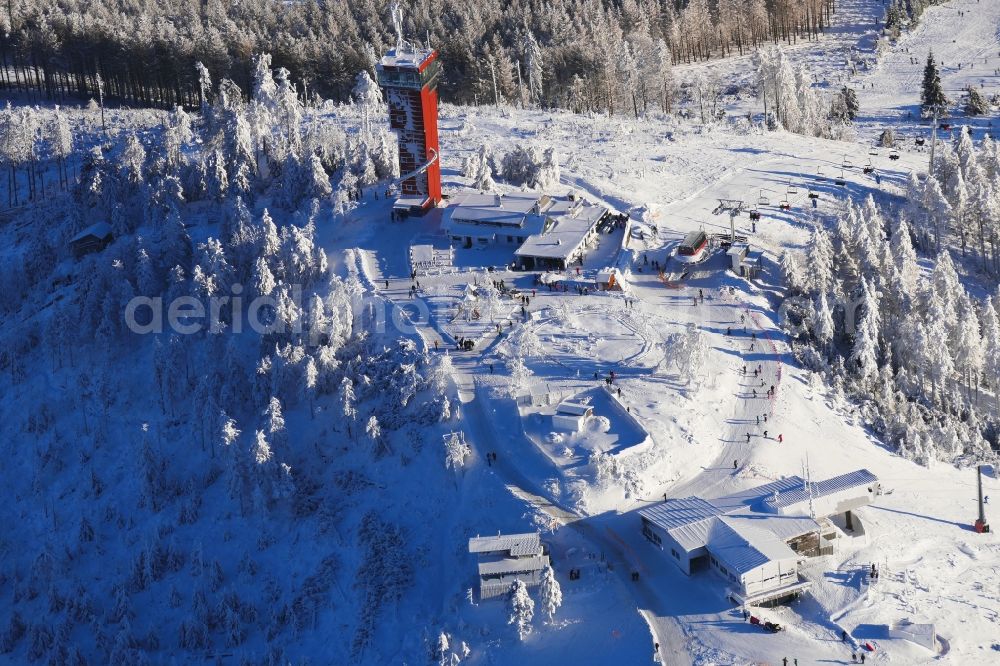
608	279
745	260
571	415
737	254
94	238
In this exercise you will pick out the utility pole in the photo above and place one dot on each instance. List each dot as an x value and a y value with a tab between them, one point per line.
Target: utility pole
496	92
930	166
100	99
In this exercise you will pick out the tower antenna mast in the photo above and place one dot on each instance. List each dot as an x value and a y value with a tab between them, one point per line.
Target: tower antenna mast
397	24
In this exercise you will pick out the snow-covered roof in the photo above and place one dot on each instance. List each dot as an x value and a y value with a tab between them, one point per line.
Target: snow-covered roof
422	254
531	224
738	249
745	498
857	480
562	239
782	527
409	202
693	522
98	230
516	202
517	545
744	548
513	565
493	216
408	56
687	520
574	408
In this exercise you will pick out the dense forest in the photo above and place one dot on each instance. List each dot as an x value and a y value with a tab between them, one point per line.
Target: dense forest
569	53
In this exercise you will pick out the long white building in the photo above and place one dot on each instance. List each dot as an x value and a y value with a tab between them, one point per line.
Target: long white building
756	538
549	233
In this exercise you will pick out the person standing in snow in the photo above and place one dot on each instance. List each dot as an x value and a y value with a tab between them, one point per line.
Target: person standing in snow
734	462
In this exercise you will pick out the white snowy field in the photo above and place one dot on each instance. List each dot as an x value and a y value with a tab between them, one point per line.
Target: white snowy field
295	583
934	567
698	427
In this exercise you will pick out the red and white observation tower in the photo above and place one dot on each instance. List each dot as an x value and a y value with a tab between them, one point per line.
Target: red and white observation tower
408	76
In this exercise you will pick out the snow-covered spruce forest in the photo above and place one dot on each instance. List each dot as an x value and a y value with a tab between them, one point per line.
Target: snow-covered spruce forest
208	493
580	54
895	330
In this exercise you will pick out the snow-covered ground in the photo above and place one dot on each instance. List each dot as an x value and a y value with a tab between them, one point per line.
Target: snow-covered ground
659	431
934	568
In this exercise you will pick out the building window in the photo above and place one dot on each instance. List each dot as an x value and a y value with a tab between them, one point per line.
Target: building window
674	553
510	239
650	534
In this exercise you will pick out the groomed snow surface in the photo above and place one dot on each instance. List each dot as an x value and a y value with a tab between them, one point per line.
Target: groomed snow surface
656	431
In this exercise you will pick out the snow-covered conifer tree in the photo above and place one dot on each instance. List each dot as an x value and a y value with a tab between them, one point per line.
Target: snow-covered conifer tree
550	593
455	451
520	608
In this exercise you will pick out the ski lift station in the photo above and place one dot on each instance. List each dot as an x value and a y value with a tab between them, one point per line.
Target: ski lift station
505	558
549	232
755	539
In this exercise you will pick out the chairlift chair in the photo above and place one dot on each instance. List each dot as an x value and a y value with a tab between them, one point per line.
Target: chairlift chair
784	205
847	163
792	189
819	174
872	151
762	200
813	195
919	140
894	155
840	181
869	168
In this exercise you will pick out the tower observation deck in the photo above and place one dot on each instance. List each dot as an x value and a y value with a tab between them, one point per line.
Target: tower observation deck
409	77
